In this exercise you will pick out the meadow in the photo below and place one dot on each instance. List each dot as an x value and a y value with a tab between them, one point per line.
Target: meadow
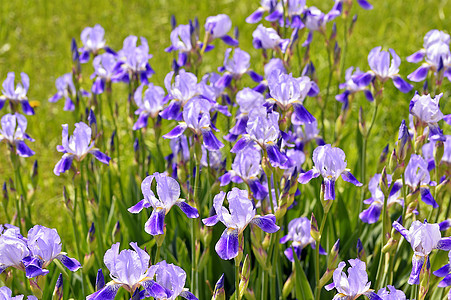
36	38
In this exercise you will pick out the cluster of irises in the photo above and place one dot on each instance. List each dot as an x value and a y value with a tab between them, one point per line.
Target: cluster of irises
242	148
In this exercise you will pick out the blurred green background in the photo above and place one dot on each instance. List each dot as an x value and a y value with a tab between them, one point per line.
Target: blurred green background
35	38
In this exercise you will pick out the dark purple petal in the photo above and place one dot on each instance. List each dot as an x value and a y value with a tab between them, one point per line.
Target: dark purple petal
404	232
372	295
289	253
255	17
296	22
371	214
100	280
240	145
188	295
211	221
266	223
182	59
224	81
277	159
417	56
445	225
155	290
314	90
176	131
33	267
329	189
100	156
427	198
365	4
63	165
98	87
347	176
260	191
368	95
362	79
284	239
225	179
211	142
227	246
188	210
303	114
417	265
445	281
71	263
84	56
230	41
155	224
171	112
23	150
274	16
69	105
139	206
443	271
444	244
343	97
419	74
307	176
27	109
402	85
255	76
107	293
141	122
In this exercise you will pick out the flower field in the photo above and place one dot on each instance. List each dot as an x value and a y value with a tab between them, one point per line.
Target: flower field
273	149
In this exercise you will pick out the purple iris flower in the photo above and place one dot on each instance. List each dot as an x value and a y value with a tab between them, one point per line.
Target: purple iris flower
274	65
246	168
6	294
133	60
128	269
331	164
104	71
265	6
391	294
77	147
445	272
180	39
372	213
297	158
196	117
247	99
287	91
45	246
383	69
212	159
436	54
427	111
417	176
316	20
299	234
18	93
355	284
363	4
302	133
428	154
148	106
352	87
236	66
66	89
218	27
268	38
184	88
172	278
423	238
263	129
241	212
168	191
93	41
13	249
13	133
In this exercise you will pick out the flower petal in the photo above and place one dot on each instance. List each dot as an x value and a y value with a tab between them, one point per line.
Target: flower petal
267	223
188	210
227	246
70	263
155	224
347	176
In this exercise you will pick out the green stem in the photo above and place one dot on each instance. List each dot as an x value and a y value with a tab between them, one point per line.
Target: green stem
329	81
157	255
264	286
318	287
237	280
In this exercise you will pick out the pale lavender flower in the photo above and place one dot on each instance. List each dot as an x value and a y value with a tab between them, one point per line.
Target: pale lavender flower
93	41
168	191
13	133
66	89
104	71
330	163
16	93
423	238
299	234
13	249
287	91
241	212
236	66
212	159
172	278
268	38
45	246
372	213
218	27
265	6
316	20
6	294
128	269
417	177
352	87
274	65
77	147
184	88
180	39
196	117
355	284
391	294
445	272
383	69
133	60
148	106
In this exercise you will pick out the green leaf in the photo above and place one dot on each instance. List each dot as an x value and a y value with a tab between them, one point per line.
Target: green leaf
303	289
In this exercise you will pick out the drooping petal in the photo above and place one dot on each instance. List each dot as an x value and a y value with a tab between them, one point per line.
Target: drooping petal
139	206
443	271
372	295
303	114
23	150
27	109
155	290
188	295
107	293
402	85
307	176
188	210
404	232
329	191
100	156
419	74
276	158
444	244
230	41
63	165
71	263
347	176
365	4
155	224
371	214
211	142
240	145
266	223
227	246
171	112
141	122
211	221
417	265
427	198
176	131
445	281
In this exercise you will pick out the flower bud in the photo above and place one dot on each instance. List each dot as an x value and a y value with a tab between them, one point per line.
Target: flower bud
88	261
35	288
314	231
116	232
392	162
439	150
361	251
245	275
383	182
383	159
58	291
100	280
91	238
332	259
5	195
219	293
173	22
288	286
